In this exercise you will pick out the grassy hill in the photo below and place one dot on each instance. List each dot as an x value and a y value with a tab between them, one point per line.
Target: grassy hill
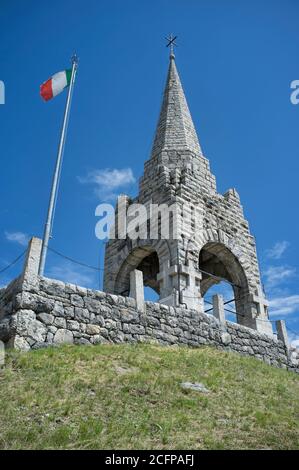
130	397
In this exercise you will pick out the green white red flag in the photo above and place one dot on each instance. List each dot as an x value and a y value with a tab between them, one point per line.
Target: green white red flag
55	84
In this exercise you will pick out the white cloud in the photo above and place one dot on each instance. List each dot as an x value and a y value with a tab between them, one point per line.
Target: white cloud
17	237
284	305
277	250
108	181
295	342
78	275
275	275
293	339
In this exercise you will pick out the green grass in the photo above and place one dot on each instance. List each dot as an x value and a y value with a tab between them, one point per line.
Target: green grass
129	397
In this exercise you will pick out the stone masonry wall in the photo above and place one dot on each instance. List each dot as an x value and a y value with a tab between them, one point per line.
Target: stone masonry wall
46	312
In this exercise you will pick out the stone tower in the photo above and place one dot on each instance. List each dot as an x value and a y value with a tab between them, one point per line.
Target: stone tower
215	244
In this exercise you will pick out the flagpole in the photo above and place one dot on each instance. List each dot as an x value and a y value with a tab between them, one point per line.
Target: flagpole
55	182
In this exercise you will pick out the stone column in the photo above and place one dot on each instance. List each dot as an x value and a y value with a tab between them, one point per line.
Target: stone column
137	289
218	308
282	333
22	319
31	265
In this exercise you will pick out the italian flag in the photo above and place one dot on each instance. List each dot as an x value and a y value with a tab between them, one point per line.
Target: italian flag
55	84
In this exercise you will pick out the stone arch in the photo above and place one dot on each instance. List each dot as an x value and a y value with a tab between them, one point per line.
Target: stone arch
145	256
219	260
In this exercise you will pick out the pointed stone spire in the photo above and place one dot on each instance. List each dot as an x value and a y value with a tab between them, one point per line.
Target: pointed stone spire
175	129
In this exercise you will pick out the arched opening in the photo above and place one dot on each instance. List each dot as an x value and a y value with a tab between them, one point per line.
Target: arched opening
144	259
218	264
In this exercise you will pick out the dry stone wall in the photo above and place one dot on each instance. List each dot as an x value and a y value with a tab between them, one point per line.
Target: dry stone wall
46	313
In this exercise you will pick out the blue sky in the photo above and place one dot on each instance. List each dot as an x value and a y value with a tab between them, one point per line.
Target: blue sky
236	60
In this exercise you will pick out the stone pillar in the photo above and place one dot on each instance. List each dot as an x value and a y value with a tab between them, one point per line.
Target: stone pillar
136	289
22	320
218	308
31	265
282	333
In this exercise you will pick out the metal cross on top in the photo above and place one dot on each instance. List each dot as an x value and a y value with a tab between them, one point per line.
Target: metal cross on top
171	43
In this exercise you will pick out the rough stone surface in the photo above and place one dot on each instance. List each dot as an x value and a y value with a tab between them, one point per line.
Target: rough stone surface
46	318
63	337
115	319
197	387
38	312
211	233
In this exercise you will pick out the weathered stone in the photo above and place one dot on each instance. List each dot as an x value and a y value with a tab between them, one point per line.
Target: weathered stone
98	339
153	321
105	311
93	305
60	322
70	288
99	320
50	337
137	289
69	312
53	288
110	324
21	344
130	302
128	316
104	332
282	333
93	329
46	318
171	339
133	329
63	336
226	338
73	325
82	314
29	301
218	308
81	290
31	266
29	326
52	329
197	387
83	341
58	309
77	300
